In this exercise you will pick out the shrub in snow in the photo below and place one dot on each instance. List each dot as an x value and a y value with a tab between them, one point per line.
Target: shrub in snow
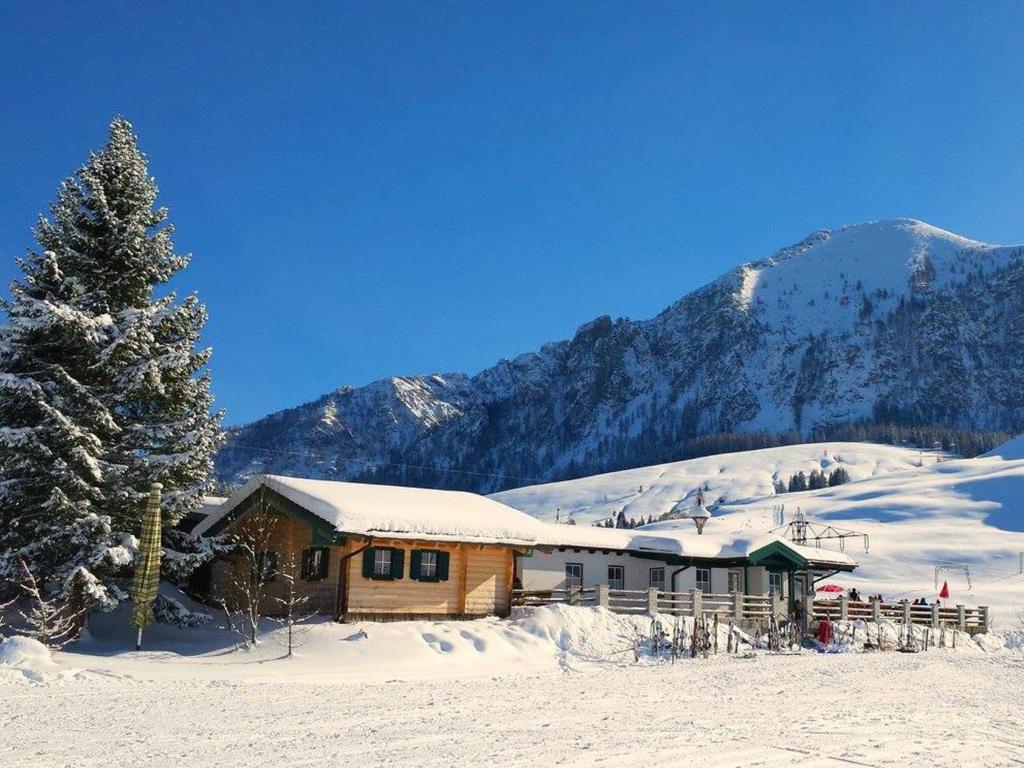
54	622
167	610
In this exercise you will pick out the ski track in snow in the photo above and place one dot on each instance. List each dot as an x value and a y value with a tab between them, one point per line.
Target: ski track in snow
934	709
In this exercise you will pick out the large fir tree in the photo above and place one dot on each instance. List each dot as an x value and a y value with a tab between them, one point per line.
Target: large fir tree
112	249
52	432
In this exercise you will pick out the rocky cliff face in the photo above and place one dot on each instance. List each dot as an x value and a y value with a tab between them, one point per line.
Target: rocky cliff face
896	322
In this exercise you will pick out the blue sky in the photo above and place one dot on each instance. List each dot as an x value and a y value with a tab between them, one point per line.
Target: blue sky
374	188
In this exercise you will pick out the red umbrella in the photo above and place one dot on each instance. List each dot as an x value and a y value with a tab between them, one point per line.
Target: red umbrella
830	588
944	594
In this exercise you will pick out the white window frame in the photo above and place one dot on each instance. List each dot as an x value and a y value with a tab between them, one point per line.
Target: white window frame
772	588
699	581
657	583
428	564
735	575
573	580
382	562
616	582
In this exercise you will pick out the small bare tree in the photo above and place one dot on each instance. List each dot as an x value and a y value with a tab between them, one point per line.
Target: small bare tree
255	565
293	605
3	613
52	622
237	632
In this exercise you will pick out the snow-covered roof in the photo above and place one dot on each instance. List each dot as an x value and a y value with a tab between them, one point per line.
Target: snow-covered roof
679	538
394	511
211	504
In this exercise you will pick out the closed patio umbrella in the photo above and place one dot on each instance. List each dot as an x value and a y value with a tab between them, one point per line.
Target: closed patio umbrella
146	581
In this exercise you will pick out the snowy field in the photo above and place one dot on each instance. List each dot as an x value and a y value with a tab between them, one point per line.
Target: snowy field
554	686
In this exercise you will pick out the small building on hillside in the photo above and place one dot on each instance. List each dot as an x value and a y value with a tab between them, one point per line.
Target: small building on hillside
371	551
673	557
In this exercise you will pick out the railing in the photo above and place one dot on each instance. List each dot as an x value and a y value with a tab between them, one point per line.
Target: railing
733	606
571	596
738	607
965	618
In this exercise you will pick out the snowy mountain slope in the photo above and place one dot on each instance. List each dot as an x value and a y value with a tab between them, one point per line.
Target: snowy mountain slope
725	479
968	511
884	322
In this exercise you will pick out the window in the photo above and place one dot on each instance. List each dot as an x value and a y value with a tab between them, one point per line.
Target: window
265	567
657	579
775	584
704	579
573	575
383	563
314	563
616	577
735	580
429	565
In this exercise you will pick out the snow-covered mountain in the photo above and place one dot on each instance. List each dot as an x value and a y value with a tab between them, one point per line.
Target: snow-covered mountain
894	322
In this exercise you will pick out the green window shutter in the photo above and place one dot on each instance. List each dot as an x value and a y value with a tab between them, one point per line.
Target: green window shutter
415	557
442	566
306	555
368	562
397	563
324	564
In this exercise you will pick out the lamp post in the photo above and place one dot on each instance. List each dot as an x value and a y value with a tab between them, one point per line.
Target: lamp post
700	517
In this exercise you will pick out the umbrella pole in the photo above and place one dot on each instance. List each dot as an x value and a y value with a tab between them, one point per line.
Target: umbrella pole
138	641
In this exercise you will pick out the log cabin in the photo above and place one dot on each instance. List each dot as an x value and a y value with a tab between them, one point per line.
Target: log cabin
362	551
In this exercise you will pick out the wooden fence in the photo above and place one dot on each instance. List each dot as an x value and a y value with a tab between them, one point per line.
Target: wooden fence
964	618
735	606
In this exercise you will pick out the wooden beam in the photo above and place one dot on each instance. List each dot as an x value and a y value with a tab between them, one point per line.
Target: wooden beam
463	577
509	576
343	579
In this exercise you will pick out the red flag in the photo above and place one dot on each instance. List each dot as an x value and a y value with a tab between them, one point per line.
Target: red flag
944	594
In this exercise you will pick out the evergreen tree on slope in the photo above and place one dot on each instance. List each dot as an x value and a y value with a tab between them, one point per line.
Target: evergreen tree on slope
153	378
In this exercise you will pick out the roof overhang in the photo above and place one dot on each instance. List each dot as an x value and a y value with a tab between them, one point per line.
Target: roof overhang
324	534
777	556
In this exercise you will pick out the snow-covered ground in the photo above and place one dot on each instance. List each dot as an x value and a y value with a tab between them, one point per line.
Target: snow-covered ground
943	514
554	686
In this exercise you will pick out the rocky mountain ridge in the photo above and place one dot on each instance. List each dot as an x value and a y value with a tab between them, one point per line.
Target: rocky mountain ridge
893	322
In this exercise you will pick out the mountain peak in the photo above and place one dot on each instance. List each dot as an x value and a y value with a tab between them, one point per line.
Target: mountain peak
881	326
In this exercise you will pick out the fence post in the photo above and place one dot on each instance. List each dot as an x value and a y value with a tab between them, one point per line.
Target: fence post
602	595
876	610
695	603
652	599
961	618
737	607
983	615
574	595
935	615
844	607
906	612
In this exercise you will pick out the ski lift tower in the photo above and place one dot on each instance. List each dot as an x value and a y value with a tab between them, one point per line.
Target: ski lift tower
798	527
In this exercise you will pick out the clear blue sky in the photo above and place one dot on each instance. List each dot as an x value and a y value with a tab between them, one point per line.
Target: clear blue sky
374	188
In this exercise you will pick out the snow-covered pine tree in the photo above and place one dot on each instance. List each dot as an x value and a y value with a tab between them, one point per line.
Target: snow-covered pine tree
52	435
153	378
